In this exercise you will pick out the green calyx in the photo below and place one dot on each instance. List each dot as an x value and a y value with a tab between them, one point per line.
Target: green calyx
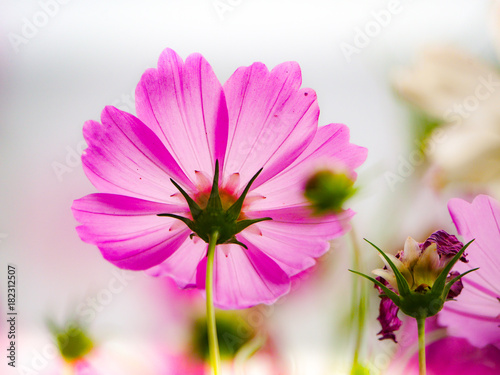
419	303
214	218
327	191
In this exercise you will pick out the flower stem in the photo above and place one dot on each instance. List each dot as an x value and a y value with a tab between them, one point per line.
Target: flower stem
421	345
213	342
359	306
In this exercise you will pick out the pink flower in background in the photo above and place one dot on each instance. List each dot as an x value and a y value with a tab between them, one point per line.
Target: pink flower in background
476	313
445	355
186	121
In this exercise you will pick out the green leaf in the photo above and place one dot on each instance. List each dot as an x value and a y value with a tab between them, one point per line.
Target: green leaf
441	279
403	287
389	293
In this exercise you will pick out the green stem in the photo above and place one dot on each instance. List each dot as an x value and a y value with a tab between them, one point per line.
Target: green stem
213	342
248	350
359	304
421	345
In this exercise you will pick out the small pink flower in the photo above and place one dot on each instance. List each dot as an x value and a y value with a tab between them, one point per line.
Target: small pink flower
186	122
476	313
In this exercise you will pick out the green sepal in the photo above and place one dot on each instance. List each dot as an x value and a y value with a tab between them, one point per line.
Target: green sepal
454	280
389	293
213	217
185	220
236	242
193	206
234	211
242	224
403	287
214	203
440	282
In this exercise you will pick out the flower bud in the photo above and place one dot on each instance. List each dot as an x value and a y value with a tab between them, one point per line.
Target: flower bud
327	190
72	341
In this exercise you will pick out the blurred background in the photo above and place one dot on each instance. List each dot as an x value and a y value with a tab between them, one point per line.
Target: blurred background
393	71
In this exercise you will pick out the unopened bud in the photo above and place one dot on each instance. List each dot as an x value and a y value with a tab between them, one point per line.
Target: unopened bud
327	191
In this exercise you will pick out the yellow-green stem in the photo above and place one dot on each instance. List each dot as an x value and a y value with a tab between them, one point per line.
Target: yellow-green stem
359	304
421	345
213	342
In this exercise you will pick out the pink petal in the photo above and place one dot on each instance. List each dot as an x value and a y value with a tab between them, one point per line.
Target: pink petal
244	278
476	313
128	231
478	332
181	265
454	356
183	103
480	220
293	254
125	157
298	221
330	146
388	318
271	120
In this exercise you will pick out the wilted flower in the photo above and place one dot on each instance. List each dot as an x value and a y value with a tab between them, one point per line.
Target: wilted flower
476	314
421	264
418	279
162	194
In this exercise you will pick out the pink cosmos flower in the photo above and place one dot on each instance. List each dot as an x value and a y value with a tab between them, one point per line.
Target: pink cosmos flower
186	123
476	313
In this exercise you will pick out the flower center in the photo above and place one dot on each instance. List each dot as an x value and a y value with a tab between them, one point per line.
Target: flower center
227	198
217	211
